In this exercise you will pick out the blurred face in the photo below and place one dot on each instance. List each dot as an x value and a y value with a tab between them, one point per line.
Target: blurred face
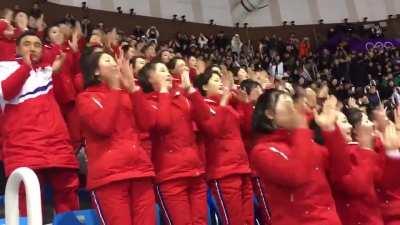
130	53
21	17
283	113
150	52
108	69
242	75
55	36
8	15
160	75
192	62
139	63
31	45
179	67
165	56
95	39
214	86
216	69
380	118
255	93
66	30
344	126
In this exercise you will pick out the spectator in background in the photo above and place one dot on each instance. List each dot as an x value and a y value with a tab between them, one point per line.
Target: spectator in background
202	41
236	44
138	32
304	48
152	35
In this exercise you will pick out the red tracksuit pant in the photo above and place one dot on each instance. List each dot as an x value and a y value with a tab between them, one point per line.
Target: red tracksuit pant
183	201
234	196
127	202
263	209
65	184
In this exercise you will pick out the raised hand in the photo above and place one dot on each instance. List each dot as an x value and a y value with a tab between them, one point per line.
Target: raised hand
78	29
327	118
126	74
27	59
226	95
73	43
397	118
391	138
241	95
58	62
185	81
352	103
40	24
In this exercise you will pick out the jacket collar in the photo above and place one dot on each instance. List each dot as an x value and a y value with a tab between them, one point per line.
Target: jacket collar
213	100
99	88
280	135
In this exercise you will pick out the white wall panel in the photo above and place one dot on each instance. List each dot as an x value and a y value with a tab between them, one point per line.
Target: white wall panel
179	7
297	10
373	9
332	11
218	10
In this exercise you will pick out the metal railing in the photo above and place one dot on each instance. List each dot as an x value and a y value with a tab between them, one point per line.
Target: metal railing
33	197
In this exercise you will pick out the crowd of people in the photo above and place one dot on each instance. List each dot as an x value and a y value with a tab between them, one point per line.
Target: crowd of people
313	136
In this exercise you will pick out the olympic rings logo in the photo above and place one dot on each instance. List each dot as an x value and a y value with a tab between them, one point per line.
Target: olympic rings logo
379	45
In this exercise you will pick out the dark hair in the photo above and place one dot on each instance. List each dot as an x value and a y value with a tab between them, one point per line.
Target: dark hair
21	11
91	65
202	80
144	75
46	38
354	116
147	46
248	85
235	70
4	11
370	110
172	63
86	53
266	101
25	34
134	58
125	48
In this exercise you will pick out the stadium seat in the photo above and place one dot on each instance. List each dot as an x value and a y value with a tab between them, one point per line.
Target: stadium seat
22	221
82	217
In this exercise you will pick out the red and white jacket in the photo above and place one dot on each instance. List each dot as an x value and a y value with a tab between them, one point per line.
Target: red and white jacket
34	132
168	117
224	148
112	137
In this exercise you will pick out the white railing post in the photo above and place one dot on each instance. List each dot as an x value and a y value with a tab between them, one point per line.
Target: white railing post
33	197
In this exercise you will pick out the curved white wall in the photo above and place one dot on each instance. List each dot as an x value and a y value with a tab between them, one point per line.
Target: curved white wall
228	12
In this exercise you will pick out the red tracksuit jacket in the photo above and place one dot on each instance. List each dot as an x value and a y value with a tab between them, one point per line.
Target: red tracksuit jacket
64	80
168	117
35	134
7	46
388	189
225	152
356	199
293	169
112	137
